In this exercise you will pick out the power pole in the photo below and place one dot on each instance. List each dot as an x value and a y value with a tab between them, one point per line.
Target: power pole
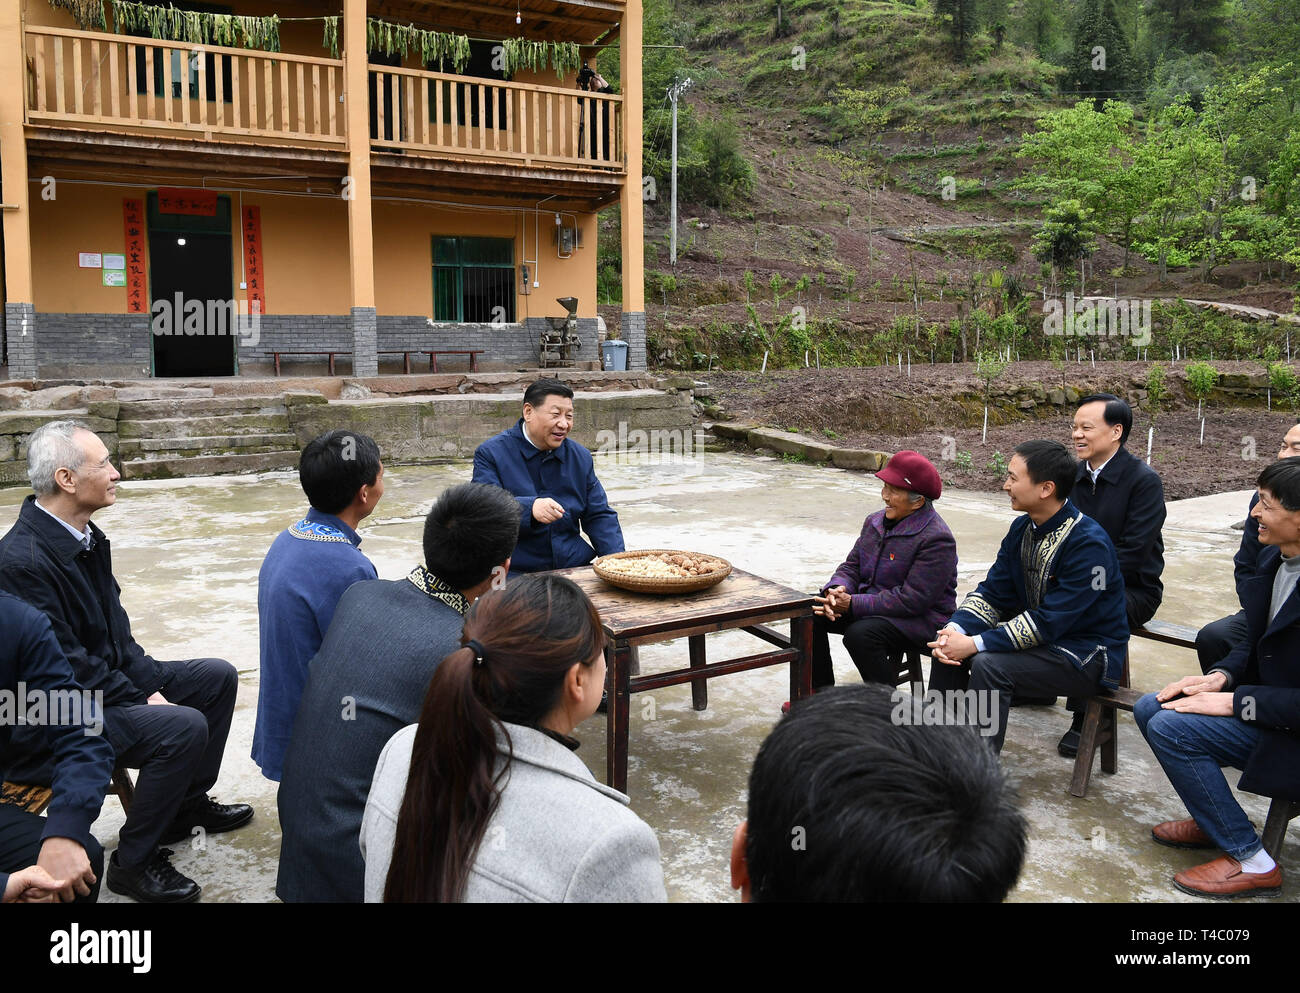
674	91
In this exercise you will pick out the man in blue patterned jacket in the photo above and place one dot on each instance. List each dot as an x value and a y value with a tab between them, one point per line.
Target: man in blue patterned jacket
1050	616
554	480
308	568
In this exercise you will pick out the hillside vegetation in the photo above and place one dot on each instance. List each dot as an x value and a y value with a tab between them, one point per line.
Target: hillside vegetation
860	181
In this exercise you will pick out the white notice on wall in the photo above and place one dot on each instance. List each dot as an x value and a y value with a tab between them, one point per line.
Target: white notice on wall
114	261
90	260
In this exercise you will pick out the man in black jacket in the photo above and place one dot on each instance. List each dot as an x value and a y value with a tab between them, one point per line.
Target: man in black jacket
1242	713
1217	639
1124	495
53	857
167	719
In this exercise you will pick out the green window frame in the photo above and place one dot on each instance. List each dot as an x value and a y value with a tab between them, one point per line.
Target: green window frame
473	280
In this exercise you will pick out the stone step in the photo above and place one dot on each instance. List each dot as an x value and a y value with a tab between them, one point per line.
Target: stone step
208	465
205	427
234	444
143	410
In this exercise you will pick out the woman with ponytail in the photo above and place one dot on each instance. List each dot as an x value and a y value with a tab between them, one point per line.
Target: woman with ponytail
484	800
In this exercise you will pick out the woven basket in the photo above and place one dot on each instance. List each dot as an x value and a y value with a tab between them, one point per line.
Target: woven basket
644	584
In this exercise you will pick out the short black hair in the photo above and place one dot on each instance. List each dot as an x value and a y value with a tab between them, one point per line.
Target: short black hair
1117	411
1282	479
536	394
470	529
848	805
1049	462
333	467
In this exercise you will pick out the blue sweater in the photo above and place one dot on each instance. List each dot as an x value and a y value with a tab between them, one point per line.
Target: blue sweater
30	654
1058	584
568	476
307	570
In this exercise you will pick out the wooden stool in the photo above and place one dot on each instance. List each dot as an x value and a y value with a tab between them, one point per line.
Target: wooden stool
911	673
34	799
1101	730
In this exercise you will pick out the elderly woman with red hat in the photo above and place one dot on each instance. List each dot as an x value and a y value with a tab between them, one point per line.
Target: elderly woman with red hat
898	585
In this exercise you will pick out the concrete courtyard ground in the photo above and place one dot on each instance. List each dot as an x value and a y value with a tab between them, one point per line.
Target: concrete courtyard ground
187	553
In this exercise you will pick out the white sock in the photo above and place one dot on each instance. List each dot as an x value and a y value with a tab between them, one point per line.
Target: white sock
1261	861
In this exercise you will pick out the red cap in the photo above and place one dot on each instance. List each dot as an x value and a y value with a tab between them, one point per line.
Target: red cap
912	471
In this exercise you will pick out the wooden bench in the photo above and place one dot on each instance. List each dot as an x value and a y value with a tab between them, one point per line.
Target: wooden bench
276	357
472	353
406	357
1100	718
35	799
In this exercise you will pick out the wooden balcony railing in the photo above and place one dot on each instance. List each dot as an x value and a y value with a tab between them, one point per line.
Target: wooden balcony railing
81	77
114	82
443	114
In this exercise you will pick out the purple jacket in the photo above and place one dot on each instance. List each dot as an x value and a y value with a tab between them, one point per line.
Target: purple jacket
908	574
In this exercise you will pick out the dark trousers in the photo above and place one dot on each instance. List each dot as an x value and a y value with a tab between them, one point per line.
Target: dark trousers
869	641
20	845
1040	671
1218	638
177	749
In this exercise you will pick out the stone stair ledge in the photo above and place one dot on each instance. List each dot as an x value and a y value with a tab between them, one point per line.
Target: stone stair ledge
208	465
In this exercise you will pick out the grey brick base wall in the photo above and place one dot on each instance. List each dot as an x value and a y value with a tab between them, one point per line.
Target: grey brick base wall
120	345
634	335
101	346
20	317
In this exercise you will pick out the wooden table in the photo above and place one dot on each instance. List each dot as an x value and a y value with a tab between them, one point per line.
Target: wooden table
742	600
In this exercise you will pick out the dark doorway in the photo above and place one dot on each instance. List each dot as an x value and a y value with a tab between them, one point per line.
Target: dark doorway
191	282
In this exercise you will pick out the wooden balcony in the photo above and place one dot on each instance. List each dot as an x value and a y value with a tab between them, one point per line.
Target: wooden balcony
113	83
439	114
120	85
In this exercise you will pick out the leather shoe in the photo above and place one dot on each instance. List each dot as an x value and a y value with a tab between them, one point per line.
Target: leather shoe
1068	746
156	882
1223	879
1182	834
1033	701
213	817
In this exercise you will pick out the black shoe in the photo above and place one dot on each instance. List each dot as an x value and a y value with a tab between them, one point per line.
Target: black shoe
1068	746
213	817
157	882
1033	701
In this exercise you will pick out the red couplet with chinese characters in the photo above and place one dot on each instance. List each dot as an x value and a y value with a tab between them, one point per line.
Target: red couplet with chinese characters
252	224
137	284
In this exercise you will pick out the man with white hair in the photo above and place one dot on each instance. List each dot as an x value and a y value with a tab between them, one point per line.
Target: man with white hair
167	719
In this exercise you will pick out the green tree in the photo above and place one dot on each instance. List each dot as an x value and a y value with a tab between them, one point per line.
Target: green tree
1191	25
717	172
1037	24
1202	378
1101	64
1066	236
962	18
1089	155
988	366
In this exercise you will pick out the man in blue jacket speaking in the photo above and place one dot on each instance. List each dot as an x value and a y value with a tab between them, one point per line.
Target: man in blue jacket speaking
554	480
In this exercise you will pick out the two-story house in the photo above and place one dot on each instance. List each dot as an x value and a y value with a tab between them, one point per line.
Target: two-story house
173	208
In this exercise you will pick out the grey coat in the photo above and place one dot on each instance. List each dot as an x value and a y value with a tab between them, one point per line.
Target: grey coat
365	684
557	836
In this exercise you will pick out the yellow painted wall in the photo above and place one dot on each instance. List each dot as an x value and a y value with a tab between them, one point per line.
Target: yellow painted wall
305	249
